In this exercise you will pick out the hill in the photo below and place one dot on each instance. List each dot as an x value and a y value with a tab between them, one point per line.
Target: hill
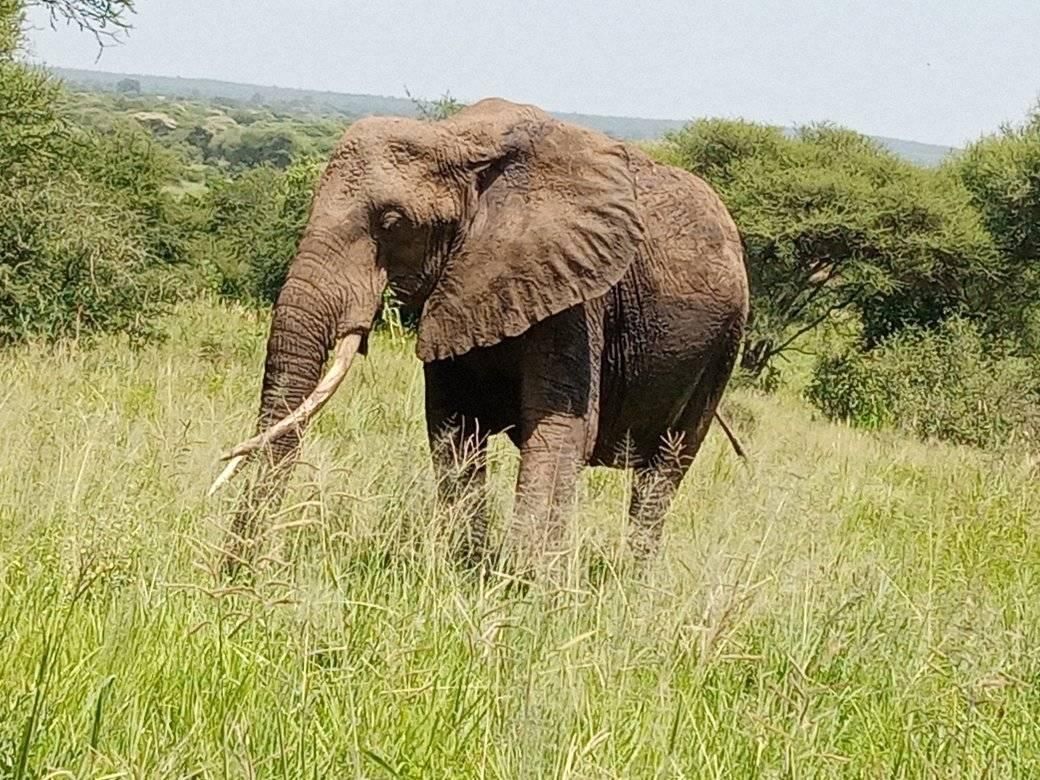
322	102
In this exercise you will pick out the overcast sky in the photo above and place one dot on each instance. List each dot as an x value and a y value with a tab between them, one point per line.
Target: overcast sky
941	71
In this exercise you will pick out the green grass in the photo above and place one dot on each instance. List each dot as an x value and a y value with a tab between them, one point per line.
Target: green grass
855	606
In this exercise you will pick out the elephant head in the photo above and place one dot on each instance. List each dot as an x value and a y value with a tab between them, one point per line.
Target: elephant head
490	221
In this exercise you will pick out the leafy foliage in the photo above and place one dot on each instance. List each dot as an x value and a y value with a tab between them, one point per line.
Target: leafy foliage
71	265
832	221
84	229
251	227
32	125
951	383
1002	173
11	19
974	379
83	245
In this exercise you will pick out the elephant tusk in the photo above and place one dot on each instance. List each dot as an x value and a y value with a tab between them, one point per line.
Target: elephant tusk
346	348
345	351
226	474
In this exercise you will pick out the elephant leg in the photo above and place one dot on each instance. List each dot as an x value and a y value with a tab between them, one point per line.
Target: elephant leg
655	484
265	492
559	393
653	489
458	446
550	463
459	451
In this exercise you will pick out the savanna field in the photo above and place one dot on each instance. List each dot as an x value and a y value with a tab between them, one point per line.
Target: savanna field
852	604
858	600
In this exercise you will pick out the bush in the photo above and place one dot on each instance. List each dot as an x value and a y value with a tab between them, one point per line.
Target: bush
136	174
11	20
72	265
251	228
32	127
949	383
85	236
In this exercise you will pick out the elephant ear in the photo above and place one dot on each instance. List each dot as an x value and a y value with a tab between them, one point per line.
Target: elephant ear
555	223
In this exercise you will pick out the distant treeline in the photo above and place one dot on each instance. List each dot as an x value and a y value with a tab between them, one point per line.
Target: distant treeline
356	105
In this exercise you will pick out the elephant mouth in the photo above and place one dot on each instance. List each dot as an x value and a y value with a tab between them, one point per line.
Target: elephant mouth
345	350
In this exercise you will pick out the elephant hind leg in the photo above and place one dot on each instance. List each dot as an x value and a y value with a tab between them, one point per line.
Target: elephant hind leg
655	483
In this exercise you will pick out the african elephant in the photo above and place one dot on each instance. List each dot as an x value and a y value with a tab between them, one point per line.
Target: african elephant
574	294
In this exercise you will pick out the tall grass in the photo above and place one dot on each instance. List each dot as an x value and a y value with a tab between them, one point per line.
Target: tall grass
854	606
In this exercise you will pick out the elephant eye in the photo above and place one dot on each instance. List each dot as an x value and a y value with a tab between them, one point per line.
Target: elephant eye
389	218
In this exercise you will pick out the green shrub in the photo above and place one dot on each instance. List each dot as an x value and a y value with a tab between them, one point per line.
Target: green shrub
11	20
251	226
33	129
136	172
71	264
85	233
949	383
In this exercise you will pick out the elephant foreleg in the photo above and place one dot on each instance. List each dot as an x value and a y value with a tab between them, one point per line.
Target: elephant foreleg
559	392
459	451
550	462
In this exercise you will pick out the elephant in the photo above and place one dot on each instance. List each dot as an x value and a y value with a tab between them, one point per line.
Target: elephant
573	293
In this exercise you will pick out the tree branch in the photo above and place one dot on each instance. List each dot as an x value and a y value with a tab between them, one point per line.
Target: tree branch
794	311
106	20
849	300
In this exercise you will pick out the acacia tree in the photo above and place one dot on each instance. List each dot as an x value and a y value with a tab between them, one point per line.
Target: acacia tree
832	222
1002	173
85	240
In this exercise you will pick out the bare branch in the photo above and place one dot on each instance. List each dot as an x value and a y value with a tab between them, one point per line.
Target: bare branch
847	301
796	308
106	20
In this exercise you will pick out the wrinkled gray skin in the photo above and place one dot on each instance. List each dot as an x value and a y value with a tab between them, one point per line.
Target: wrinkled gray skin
575	295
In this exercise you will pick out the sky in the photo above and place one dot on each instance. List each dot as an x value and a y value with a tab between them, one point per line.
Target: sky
938	71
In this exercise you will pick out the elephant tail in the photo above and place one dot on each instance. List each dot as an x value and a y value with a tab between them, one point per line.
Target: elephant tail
733	440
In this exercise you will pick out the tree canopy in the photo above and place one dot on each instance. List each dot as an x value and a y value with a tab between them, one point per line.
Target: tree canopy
832	222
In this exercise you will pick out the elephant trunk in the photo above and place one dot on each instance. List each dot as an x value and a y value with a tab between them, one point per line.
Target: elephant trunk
330	296
302	332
